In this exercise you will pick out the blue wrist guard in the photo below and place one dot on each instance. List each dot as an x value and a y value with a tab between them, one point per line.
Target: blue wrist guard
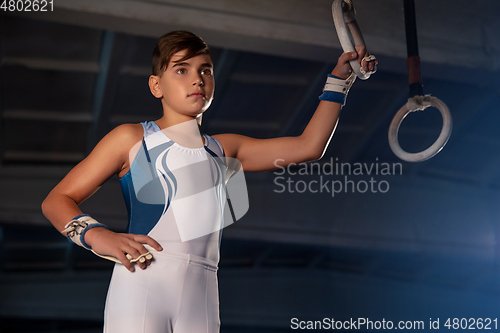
336	89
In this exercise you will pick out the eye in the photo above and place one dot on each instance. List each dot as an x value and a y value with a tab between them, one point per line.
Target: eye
181	71
207	72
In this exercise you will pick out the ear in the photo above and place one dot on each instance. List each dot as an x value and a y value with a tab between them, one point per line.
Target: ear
154	86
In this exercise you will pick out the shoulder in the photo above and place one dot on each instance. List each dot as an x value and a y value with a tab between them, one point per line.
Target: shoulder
114	149
127	131
119	141
123	135
229	142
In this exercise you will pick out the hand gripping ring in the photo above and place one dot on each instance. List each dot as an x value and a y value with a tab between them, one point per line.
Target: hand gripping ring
414	104
368	58
344	18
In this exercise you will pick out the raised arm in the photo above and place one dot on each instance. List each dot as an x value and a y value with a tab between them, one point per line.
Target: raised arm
261	154
109	157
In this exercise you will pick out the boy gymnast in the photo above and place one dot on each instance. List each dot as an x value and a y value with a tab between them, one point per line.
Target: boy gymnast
170	175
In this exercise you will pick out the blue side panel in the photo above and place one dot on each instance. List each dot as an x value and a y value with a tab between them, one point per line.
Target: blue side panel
142	216
146	203
125	183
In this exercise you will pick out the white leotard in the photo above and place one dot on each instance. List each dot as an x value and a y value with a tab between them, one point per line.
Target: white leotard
176	195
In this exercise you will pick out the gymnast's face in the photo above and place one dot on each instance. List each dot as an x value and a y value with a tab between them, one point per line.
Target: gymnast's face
186	87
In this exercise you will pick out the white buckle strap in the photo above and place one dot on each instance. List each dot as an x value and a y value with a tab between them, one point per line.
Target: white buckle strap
77	227
339	85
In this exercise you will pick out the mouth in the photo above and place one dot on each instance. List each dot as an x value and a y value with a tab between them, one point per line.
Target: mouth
198	94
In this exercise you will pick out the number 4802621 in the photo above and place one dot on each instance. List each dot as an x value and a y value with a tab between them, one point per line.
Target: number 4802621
471	323
27	5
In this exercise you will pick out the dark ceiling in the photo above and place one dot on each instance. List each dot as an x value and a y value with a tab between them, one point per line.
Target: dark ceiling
67	86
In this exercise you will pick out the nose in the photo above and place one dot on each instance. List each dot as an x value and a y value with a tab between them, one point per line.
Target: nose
198	80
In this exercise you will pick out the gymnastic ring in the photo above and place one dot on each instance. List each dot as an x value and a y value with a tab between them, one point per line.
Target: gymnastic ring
415	104
345	20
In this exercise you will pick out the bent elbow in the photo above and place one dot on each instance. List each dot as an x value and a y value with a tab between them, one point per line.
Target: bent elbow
48	205
316	154
311	157
45	206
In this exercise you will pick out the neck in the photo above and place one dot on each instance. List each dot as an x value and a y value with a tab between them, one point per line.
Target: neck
186	133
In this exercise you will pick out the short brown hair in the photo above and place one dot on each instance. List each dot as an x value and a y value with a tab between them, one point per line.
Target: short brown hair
173	42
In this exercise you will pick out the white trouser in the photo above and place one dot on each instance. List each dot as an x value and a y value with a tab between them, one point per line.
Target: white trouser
177	293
